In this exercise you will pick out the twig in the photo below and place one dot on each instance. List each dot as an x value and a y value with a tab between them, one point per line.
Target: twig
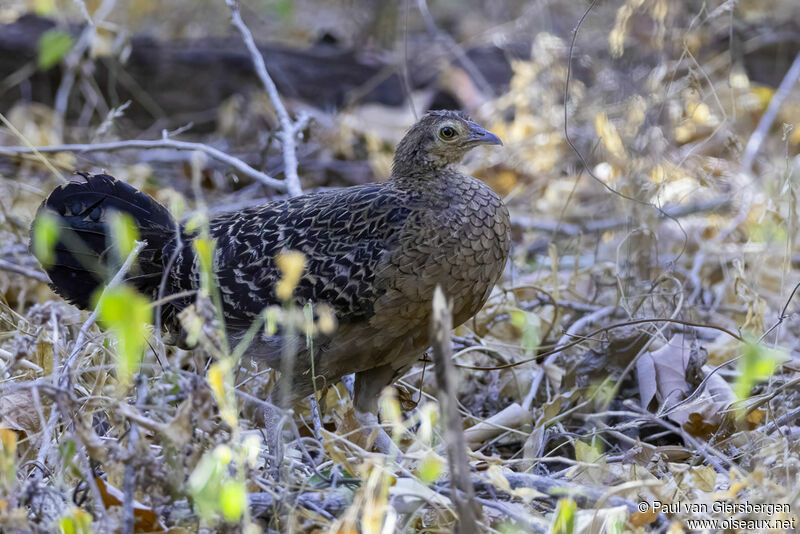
783	315
455	49
30	149
329	504
73	59
165	142
463	493
605	225
569	334
63	404
25	271
560	348
289	128
129	477
576	327
782	420
758	135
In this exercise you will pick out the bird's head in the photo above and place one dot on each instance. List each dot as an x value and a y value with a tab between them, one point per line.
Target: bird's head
437	140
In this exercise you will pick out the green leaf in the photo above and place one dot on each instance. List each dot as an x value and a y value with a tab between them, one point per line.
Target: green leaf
271	316
285	9
430	468
588	452
233	500
79	522
44	7
509	527
45	236
123	233
8	458
126	313
67	525
53	46
204	251
529	324
564	522
66	450
758	363
207	480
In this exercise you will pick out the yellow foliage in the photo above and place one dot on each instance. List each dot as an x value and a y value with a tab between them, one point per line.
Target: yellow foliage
291	263
608	133
616	39
762	94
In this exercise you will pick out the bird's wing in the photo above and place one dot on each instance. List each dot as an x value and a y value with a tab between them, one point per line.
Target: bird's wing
344	235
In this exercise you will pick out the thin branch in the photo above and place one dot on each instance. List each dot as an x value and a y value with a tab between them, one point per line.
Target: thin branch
783	315
455	49
605	225
760	133
72	61
212	152
129	477
582	339
289	128
571	332
463	493
24	271
30	149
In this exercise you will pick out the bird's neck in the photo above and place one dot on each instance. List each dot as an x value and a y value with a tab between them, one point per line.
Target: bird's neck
416	168
436	183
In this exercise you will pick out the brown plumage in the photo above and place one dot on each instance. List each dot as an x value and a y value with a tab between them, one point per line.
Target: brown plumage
374	254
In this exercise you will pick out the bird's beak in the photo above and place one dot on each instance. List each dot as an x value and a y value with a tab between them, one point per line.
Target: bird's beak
481	136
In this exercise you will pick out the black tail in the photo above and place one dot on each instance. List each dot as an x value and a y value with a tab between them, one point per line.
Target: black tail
82	262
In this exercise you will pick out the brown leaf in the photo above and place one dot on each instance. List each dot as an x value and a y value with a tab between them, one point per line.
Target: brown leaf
179	431
146	520
699	427
640	519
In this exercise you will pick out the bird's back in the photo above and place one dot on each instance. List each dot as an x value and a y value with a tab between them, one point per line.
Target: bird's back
344	235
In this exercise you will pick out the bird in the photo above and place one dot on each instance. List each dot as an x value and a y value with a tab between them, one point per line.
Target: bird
374	254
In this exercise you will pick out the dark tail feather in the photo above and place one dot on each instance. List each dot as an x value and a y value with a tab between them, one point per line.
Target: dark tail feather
82	262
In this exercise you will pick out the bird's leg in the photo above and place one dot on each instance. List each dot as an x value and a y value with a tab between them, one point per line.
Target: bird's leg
367	387
383	442
349	384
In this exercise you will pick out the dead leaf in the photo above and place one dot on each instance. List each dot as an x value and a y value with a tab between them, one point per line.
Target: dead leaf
16	412
513	416
662	375
699	427
146	520
640	519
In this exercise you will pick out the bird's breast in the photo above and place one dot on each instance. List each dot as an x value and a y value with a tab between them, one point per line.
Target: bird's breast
460	243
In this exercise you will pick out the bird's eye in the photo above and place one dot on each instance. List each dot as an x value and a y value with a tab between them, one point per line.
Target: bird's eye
447	132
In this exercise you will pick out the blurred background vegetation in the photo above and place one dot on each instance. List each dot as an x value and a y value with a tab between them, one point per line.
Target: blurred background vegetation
662	244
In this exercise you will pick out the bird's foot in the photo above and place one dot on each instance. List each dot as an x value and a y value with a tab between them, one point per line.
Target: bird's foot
383	443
